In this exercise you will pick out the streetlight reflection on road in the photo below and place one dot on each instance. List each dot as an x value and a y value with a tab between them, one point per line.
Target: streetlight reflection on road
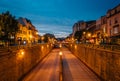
61	67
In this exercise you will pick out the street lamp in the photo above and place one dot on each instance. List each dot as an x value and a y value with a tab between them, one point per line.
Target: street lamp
21	53
84	33
60	53
60	45
36	33
89	34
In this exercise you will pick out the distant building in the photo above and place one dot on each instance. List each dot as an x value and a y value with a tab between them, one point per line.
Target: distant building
81	25
90	30
27	32
104	30
78	26
113	24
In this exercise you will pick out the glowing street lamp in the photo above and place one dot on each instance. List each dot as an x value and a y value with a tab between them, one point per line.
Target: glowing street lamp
60	53
89	34
21	54
31	36
60	45
84	33
36	33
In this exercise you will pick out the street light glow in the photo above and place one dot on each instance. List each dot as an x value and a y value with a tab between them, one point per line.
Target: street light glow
89	34
21	53
60	53
42	47
31	36
47	46
36	33
84	32
75	46
60	45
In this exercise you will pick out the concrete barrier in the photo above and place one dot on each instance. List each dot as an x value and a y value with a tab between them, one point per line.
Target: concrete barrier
103	62
15	64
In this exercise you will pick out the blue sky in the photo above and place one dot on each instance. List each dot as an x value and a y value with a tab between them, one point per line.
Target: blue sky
57	16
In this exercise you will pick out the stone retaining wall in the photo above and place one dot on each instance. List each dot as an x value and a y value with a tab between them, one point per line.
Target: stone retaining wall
15	64
104	63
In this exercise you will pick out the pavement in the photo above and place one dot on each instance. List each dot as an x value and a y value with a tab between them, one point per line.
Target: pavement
73	69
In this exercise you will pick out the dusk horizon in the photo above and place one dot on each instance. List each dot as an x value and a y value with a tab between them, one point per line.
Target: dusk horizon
57	16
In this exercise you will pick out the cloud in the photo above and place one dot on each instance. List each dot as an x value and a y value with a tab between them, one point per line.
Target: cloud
57	30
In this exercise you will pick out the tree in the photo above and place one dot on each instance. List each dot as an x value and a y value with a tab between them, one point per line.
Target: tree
47	36
8	25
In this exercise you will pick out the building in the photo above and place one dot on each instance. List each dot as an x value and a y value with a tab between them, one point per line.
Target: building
104	31
113	24
27	32
80	25
90	29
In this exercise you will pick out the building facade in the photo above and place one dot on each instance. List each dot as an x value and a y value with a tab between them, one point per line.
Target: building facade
80	25
113	24
27	33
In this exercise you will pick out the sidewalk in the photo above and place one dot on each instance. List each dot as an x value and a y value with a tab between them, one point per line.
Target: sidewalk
75	70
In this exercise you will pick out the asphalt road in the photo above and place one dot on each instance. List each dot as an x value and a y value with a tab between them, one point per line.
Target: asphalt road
49	68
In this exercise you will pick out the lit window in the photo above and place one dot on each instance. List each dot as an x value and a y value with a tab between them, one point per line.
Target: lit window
115	30
104	29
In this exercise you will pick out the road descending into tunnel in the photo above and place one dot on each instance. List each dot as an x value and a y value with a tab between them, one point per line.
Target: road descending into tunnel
49	68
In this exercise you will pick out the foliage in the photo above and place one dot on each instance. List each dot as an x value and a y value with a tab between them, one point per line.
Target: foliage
8	26
78	35
47	36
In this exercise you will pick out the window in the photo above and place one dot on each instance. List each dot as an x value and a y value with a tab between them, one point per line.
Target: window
115	20
110	32
110	22
115	30
104	29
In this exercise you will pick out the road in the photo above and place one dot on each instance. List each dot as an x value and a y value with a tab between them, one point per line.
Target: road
73	68
47	69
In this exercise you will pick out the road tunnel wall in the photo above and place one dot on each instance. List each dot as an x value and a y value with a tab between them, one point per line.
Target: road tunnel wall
16	63
103	62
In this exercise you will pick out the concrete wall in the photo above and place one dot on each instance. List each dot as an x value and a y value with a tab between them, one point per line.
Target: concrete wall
15	64
104	63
